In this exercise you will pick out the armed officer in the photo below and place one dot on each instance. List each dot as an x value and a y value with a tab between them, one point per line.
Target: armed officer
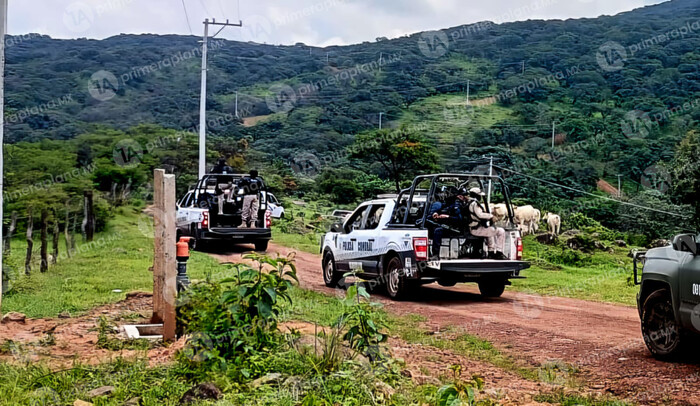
445	215
479	225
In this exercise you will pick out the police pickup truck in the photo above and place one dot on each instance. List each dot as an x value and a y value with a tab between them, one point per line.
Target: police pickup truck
198	214
669	298
387	240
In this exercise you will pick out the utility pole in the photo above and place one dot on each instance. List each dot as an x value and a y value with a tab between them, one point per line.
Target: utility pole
380	120
203	93
328	58
468	82
619	186
488	197
381	60
237	104
554	129
523	67
3	30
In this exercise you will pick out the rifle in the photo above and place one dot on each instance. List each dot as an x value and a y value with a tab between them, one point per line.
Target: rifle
443	226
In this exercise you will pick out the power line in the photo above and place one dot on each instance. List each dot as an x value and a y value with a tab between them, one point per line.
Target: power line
592	194
204	7
187	17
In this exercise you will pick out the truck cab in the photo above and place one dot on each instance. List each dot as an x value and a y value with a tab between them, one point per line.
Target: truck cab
198	213
668	301
387	240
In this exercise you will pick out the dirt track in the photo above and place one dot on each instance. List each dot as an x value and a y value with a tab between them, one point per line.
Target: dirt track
603	342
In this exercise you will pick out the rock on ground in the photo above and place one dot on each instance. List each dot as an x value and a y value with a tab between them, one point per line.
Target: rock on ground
203	391
14	317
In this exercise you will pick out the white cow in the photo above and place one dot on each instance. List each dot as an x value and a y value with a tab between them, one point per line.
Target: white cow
525	217
553	223
536	221
499	211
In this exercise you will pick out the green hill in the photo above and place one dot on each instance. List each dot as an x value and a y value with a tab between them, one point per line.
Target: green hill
620	92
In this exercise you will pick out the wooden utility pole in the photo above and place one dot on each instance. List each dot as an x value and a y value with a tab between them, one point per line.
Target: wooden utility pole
30	242
44	266
3	30
164	261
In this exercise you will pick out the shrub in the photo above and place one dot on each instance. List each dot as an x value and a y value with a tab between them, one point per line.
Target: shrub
568	257
363	329
236	318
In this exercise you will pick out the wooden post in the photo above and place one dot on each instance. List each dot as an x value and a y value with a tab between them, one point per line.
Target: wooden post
10	231
44	266
30	242
66	231
56	233
164	262
89	220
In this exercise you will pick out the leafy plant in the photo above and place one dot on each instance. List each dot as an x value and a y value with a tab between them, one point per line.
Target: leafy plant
236	318
460	392
364	330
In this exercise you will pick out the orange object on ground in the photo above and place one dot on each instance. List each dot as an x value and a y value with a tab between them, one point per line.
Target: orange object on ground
183	247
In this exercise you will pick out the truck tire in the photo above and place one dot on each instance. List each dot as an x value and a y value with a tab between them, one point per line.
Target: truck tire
492	287
331	276
261	245
398	287
662	334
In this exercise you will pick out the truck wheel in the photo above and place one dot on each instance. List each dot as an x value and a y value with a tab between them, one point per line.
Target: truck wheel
261	245
398	287
331	276
492	288
661	333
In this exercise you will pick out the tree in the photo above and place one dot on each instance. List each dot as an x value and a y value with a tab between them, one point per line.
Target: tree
402	153
685	173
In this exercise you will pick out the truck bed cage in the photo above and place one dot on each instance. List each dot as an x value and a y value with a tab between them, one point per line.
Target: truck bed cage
415	191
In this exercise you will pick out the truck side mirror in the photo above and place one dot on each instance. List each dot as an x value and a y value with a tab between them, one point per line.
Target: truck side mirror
685	243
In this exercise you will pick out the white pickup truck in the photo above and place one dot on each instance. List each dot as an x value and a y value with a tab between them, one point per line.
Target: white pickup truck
198	215
388	240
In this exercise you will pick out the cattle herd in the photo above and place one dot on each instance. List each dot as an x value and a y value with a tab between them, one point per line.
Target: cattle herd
527	218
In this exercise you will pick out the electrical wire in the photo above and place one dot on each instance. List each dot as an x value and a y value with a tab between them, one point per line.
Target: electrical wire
592	194
204	7
187	17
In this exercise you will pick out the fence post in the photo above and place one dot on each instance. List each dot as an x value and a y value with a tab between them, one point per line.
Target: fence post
89	220
164	262
44	265
30	242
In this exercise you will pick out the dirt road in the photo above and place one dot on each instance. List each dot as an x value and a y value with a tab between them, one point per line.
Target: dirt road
601	341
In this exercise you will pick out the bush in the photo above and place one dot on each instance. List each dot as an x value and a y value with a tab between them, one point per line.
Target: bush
236	318
568	257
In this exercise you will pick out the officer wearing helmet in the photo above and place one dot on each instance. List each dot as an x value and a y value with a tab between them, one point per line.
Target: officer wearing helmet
479	223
